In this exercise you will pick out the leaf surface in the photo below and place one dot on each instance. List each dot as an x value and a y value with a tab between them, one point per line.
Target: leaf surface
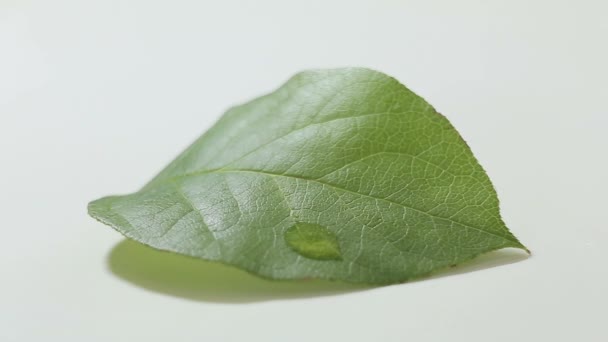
338	174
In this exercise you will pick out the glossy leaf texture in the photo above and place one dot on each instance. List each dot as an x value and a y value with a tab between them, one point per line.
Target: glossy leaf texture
338	174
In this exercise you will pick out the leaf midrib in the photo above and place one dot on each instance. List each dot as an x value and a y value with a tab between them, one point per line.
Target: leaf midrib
334	186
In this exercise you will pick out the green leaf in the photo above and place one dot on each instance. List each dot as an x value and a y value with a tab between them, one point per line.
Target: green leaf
338	174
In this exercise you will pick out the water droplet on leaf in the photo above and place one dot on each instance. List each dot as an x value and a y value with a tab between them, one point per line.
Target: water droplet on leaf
313	241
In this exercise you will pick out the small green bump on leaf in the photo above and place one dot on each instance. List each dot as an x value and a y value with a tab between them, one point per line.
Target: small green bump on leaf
313	241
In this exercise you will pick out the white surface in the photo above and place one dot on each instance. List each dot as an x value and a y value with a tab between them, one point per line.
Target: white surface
96	96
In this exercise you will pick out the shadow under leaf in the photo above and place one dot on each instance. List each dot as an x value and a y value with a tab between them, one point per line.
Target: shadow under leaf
200	280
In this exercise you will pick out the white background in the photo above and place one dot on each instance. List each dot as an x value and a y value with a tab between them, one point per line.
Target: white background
97	96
